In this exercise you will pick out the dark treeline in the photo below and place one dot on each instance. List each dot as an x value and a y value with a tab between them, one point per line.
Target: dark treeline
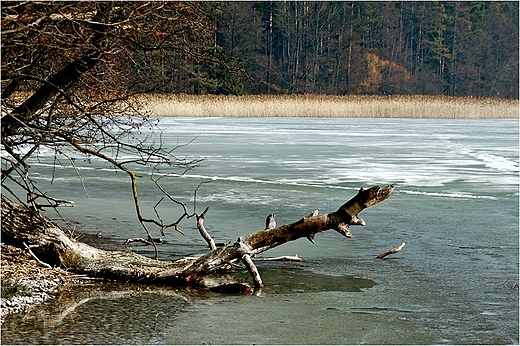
435	48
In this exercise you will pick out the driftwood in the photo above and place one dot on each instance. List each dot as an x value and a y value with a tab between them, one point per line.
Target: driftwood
294	258
137	240
391	251
51	244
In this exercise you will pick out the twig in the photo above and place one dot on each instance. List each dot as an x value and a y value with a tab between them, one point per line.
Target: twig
138	240
195	195
392	251
159	216
46	265
294	258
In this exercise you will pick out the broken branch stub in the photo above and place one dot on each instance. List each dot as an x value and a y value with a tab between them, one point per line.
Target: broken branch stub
202	230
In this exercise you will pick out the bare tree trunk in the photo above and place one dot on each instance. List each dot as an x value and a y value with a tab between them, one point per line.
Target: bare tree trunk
51	244
349	58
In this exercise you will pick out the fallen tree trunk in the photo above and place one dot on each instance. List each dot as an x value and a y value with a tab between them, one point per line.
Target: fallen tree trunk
52	245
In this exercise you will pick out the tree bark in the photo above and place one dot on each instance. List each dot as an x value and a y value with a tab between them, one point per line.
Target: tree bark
62	80
51	244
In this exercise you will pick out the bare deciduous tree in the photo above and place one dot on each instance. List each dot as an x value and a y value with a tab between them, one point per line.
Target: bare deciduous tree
69	69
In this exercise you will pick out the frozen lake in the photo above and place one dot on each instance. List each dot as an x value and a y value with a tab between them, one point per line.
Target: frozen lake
455	206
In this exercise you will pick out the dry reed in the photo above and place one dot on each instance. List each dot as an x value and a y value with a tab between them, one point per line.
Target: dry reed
352	106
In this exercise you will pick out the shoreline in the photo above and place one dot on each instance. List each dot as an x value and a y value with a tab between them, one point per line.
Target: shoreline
329	106
26	283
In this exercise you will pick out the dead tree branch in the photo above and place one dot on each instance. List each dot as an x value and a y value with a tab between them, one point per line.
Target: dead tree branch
202	230
21	224
68	84
391	251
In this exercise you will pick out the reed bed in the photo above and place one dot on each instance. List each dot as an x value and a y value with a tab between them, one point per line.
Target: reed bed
352	106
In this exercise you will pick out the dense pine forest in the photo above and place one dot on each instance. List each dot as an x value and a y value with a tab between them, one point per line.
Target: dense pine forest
385	47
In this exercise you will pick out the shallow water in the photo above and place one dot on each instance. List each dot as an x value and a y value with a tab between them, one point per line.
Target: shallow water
455	206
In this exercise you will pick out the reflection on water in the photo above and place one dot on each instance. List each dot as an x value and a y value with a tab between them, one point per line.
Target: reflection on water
292	277
98	314
129	314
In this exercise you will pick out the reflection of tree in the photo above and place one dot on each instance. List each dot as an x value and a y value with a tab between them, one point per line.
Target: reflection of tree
130	312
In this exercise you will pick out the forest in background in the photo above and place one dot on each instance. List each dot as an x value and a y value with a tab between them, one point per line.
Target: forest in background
338	48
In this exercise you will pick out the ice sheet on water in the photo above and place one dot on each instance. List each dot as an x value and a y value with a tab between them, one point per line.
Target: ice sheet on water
464	195
497	162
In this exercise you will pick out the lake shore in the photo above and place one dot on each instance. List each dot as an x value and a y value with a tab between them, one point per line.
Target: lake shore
328	106
27	283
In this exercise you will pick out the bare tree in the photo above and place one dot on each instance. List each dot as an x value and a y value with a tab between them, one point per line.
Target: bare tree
69	70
